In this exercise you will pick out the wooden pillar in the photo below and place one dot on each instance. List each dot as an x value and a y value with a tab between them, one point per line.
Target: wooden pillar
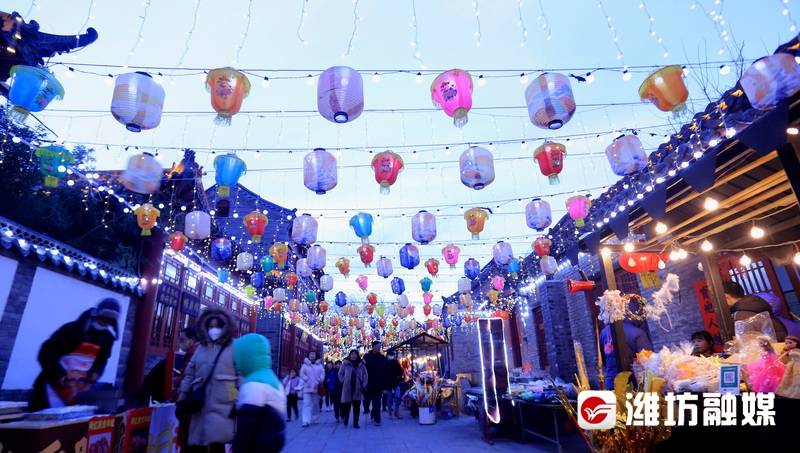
617	331
717	295
789	155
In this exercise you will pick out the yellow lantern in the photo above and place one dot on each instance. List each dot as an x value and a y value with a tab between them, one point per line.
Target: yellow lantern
493	295
665	89
476	219
146	217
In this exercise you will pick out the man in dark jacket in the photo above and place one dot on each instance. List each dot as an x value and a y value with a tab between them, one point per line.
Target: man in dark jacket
743	307
376	370
394	377
635	338
75	356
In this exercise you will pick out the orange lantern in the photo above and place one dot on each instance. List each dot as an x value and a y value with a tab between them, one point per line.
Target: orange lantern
323	307
476	219
228	88
146	217
502	314
277	307
280	253
292	279
255	223
493	295
343	264
665	89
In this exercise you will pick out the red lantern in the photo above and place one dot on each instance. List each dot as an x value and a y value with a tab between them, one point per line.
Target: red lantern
292	279
387	166
177	240
642	261
382	323
542	246
502	314
370	309
372	298
367	254
433	266
323	307
255	223
426	309
550	157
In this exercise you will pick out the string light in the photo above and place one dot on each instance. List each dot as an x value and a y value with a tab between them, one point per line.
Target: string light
797	258
792	130
475	7
415	43
89	16
303	14
356	19
605	251
140	37
615	39
757	232
706	246
724	69
788	14
521	24
718	21
628	247
682	254
652	31
418	78
190	33
710	204
523	78
745	260
548	34
661	228
248	18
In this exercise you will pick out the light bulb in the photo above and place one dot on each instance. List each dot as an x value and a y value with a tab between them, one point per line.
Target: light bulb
745	260
706	246
376	78
724	69
682	254
523	78
661	264
631	262
590	78
661	228
265	82
673	256
419	77
628	247
481	81
626	75
310	80
605	251
711	204
792	130
797	258
756	232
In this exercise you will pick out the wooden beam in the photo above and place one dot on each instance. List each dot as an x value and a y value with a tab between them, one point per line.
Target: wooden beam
785	201
789	155
773	230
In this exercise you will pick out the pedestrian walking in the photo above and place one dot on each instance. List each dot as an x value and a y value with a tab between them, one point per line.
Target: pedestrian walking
394	379
313	375
335	389
354	377
292	388
376	368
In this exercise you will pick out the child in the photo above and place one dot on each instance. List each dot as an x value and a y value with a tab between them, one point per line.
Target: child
293	388
703	344
261	405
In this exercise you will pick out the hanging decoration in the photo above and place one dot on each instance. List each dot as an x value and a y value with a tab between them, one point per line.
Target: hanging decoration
304	230
316	257
341	299
398	285
387	166
267	263
257	279
578	209
498	283
427	298
502	253
363	282
325	284
541	246
302	268
228	88
770	80
340	94
477	167
244	261
466	301
137	101
223	273
362	226
343	264
384	267
425	283
319	171
367	254
292	279
53	163
432	265
662	298
229	168
250	291
452	92
143	174
279	294
31	89
177	241
637	262
279	253
626	155
550	101
464	285
550	157
450	253
472	268
476	220
197	225
513	267
538	215
255	223
409	256
221	249
423	227
666	89
146	217
549	265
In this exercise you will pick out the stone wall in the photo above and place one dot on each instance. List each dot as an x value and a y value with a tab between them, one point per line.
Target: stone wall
466	356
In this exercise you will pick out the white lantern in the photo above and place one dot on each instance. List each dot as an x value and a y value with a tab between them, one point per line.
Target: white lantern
402	301
464	285
549	265
143	174
279	294
326	283
137	101
437	310
197	225
340	94
302	268
316	257
244	261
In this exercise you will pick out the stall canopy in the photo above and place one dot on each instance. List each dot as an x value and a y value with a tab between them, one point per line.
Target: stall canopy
422	349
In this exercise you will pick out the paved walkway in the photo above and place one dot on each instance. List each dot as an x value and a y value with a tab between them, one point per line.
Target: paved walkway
460	434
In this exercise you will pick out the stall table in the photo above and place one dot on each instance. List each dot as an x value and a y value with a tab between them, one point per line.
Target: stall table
543	420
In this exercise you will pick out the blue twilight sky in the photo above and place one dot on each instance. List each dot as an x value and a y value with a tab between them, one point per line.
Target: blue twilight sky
580	36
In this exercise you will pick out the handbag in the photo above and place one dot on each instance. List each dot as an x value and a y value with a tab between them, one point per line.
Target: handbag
194	403
322	390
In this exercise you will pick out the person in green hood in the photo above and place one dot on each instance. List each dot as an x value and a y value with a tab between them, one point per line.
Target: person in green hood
261	407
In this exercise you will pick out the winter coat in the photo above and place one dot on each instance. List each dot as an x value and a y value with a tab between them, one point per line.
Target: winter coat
261	407
394	374
346	375
749	306
313	374
377	368
292	385
213	424
66	341
635	338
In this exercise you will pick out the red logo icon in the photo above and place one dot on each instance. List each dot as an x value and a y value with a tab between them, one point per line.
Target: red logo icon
597	409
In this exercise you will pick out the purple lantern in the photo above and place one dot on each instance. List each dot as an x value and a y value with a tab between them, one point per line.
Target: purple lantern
477	167
398	286
423	227
384	267
304	230
319	171
550	101
472	268
316	257
221	249
409	256
302	268
626	155
538	215
502	253
340	94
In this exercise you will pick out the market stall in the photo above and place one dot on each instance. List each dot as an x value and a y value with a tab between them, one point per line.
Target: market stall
423	354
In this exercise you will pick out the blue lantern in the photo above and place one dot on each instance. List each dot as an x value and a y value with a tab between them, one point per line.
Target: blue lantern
398	285
513	267
426	283
221	249
223	274
229	168
446	324
312	320
257	279
472	268
409	256
341	299
267	263
373	323
32	89
458	321
344	331
362	225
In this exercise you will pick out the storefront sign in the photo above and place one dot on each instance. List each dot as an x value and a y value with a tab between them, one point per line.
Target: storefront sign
710	322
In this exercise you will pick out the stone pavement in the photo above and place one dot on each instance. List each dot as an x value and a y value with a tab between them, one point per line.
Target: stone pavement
460	434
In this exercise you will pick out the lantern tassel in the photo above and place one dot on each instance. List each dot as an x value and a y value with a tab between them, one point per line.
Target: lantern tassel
476	236
256	238
384	188
460	117
50	181
223	119
18	114
223	190
554	180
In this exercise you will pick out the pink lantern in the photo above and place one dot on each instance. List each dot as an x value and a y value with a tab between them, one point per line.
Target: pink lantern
268	301
450	253
498	282
578	209
410	309
340	94
626	155
362	282
427	298
452	92
550	101
502	253
319	171
423	227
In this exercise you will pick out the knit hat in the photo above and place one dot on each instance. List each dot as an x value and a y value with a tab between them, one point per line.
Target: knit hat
793	338
107	308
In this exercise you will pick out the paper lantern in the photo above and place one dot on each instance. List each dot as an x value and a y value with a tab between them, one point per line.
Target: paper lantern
538	215
279	253
398	285
409	256
452	309
197	225
502	253
432	265
143	174
578	209
437	310
502	314
229	168
326	283
770	80
177	241
146	217
450	253
292	279
384	267
279	294
477	167
665	89
425	283
316	257
304	230
31	90
268	301
549	265
53	163
464	285
367	254
550	157
319	171
493	295
427	298
498	282
244	261
221	249
476	219
372	298
343	264
302	268
137	101
311	296
340	94
228	88
387	166
466	301
341	299
423	227
550	101
255	223
626	155
426	310
542	246
411	310
223	273
637	262
323	307
452	92
267	263
362	226
472	268
513	267
257	279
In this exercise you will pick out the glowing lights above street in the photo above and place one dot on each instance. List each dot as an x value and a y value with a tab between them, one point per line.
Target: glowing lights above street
628	247
757	232
605	251
792	130
745	260
706	246
710	204
661	228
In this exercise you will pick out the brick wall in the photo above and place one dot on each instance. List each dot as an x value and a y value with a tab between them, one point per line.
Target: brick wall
553	295
466	356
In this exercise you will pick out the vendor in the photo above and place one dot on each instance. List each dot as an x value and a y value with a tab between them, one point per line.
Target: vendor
75	356
743	307
703	344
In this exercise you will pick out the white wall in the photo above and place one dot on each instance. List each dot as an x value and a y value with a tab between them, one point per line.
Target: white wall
54	300
8	268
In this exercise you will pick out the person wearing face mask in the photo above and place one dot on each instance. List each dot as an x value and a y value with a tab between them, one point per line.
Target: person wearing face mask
313	375
211	373
75	356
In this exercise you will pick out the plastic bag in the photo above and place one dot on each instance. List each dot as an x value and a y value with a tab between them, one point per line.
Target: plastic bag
760	324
